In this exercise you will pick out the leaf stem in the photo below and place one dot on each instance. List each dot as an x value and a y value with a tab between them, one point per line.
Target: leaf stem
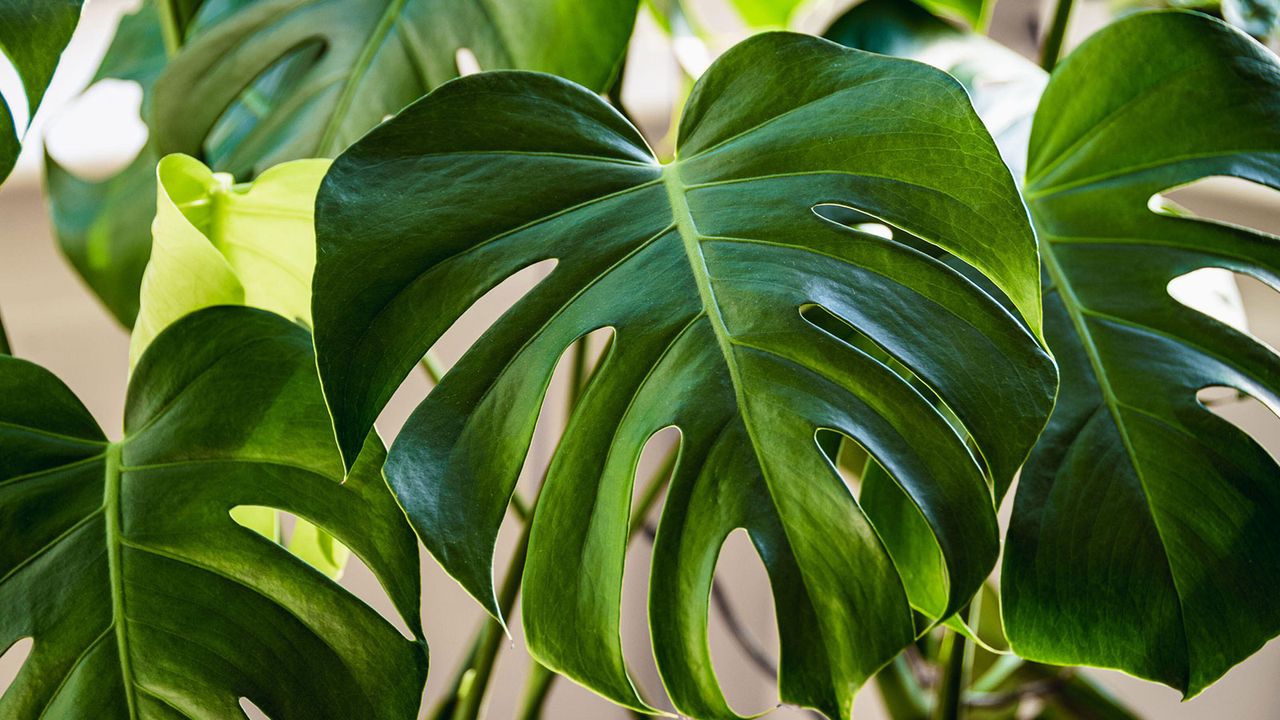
5	348
1051	46
957	663
536	689
430	365
170	27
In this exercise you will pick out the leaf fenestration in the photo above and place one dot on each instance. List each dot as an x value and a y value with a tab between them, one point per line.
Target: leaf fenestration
702	268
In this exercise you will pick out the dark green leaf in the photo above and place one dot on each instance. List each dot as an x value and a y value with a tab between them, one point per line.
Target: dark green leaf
33	34
143	596
702	268
1143	533
370	59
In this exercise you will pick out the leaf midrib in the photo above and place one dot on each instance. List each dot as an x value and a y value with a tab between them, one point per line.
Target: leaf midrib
1075	311
114	520
390	16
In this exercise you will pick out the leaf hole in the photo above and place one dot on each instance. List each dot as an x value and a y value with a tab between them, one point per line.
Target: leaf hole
742	630
460	336
656	461
1252	415
252	711
11	662
13	92
1224	200
322	552
837	327
237	123
466	61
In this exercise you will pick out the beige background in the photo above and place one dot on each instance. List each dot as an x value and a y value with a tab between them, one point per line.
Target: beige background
55	321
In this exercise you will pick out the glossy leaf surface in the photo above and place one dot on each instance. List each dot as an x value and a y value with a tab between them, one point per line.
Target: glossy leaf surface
354	62
1143	534
33	34
701	267
143	596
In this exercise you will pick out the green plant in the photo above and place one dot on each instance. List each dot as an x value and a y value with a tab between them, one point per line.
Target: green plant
862	323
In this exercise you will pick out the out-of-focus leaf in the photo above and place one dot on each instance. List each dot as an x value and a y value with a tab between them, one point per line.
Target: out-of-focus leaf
143	597
1005	87
362	60
1143	534
704	268
33	34
1260	18
103	226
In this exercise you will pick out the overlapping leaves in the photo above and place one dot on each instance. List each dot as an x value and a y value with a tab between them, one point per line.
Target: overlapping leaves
702	269
32	37
143	596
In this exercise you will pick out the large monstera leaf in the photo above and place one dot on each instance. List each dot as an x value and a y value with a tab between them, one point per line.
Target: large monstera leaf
357	61
33	34
143	597
702	268
1143	535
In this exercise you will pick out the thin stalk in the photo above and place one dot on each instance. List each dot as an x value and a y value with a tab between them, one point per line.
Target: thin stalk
1051	46
4	341
957	664
170	27
536	689
430	365
901	692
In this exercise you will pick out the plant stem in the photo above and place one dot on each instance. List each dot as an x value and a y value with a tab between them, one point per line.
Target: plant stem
430	365
1051	46
4	341
536	689
169	27
957	662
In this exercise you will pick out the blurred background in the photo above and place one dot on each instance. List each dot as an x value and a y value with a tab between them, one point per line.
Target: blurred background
54	320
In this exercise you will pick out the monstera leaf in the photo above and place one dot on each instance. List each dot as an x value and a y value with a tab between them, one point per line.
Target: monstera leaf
702	268
32	36
357	61
142	595
1143	536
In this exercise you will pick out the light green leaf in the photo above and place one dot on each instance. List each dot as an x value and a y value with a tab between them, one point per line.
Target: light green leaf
702	268
354	62
143	597
1143	535
33	34
767	13
218	243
